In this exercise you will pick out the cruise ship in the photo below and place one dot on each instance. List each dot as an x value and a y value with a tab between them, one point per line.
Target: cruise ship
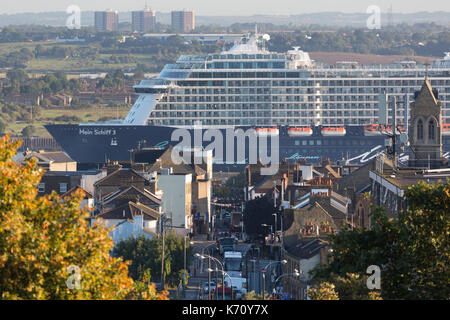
315	110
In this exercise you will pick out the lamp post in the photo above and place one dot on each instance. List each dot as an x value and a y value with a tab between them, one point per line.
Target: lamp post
204	256
296	274
184	273
281	229
223	284
275	233
264	274
164	219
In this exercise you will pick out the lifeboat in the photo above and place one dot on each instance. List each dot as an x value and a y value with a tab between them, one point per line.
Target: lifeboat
377	129
300	131
333	131
446	129
372	130
267	131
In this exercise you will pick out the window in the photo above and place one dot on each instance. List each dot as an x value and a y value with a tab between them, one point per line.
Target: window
419	130
63	187
41	187
431	130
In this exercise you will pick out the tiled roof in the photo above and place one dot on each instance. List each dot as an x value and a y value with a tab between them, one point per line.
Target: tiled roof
308	248
165	161
128	211
87	195
120	175
132	194
58	157
358	179
325	204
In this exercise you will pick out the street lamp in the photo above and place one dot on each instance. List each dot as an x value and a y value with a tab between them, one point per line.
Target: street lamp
296	274
284	261
184	273
223	283
204	256
275	215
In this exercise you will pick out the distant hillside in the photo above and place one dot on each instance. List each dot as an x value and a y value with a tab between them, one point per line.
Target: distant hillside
323	18
365	59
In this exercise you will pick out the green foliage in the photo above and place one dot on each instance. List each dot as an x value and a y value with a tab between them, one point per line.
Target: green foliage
44	240
67	118
221	191
349	287
16	59
145	256
28	131
255	296
16	77
412	251
10	113
325	291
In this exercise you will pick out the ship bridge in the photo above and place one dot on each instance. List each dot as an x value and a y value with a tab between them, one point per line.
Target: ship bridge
150	92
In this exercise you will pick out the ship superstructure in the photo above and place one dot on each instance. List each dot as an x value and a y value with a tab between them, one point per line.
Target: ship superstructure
247	85
317	110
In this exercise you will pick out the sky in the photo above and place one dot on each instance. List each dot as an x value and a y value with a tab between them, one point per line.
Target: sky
228	7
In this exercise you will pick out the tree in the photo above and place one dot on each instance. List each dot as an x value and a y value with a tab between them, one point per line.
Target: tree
47	248
28	131
139	74
252	295
413	251
16	77
2	127
325	291
349	287
145	256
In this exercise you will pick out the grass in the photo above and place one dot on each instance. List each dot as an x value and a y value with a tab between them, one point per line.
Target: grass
44	64
49	114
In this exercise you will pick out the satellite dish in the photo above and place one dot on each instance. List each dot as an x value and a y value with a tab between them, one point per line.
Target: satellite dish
266	37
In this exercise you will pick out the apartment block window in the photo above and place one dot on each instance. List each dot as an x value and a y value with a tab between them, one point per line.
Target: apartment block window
41	187
63	187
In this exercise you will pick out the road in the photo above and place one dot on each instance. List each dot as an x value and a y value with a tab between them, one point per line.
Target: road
198	267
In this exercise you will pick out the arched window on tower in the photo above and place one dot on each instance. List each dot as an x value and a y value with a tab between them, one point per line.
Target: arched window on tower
419	130
431	130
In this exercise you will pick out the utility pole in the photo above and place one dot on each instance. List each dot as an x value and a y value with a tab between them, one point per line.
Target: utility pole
394	131
163	220
209	279
162	253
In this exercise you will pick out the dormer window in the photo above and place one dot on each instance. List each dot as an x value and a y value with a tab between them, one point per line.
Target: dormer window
419	130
